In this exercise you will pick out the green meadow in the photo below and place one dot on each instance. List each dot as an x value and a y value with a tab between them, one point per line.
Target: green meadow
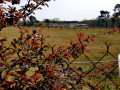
59	37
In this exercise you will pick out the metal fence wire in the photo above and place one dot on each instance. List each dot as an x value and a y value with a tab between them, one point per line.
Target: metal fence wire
92	75
88	75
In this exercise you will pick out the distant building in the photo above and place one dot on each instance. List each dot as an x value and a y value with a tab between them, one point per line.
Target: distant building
78	25
59	25
82	25
67	25
56	19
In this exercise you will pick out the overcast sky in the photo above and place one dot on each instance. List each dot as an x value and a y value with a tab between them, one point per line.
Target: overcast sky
75	9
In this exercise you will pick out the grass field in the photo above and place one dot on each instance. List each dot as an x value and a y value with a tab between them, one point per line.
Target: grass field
59	37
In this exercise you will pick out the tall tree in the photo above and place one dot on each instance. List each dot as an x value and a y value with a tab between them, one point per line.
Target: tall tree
104	16
116	13
32	20
47	22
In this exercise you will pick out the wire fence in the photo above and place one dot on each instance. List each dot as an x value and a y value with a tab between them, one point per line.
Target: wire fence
89	75
59	70
27	66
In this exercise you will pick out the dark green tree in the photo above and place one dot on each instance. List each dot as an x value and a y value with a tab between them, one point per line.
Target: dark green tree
47	22
32	20
104	15
116	13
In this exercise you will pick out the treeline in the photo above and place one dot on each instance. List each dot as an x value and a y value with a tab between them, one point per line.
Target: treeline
45	23
30	21
104	20
101	23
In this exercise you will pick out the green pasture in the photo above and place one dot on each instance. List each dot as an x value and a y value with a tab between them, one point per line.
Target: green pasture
59	37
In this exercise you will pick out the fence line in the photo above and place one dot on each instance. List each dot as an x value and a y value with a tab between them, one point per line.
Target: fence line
27	66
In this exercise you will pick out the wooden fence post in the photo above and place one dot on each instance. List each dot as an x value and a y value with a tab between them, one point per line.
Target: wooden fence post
119	64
